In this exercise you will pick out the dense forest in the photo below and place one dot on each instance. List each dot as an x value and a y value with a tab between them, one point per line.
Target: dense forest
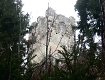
86	61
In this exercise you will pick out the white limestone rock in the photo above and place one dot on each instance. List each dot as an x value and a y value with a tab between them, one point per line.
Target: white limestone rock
60	33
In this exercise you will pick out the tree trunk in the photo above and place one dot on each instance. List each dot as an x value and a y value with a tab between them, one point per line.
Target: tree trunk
103	28
102	3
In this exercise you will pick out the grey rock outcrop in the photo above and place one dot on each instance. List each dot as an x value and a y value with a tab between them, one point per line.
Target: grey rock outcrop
60	33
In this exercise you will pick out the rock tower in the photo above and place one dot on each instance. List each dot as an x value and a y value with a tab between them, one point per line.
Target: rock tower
60	33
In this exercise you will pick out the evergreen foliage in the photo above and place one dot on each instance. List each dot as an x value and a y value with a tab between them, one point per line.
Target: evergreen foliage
83	62
13	27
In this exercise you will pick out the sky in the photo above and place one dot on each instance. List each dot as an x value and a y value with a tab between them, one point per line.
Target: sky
38	7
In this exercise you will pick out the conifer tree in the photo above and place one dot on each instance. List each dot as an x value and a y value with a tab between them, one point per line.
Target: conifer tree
13	27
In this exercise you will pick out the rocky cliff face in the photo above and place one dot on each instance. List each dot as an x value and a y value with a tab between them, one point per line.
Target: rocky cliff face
60	32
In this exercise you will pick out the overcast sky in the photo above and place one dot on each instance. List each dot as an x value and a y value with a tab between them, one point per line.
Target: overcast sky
38	7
